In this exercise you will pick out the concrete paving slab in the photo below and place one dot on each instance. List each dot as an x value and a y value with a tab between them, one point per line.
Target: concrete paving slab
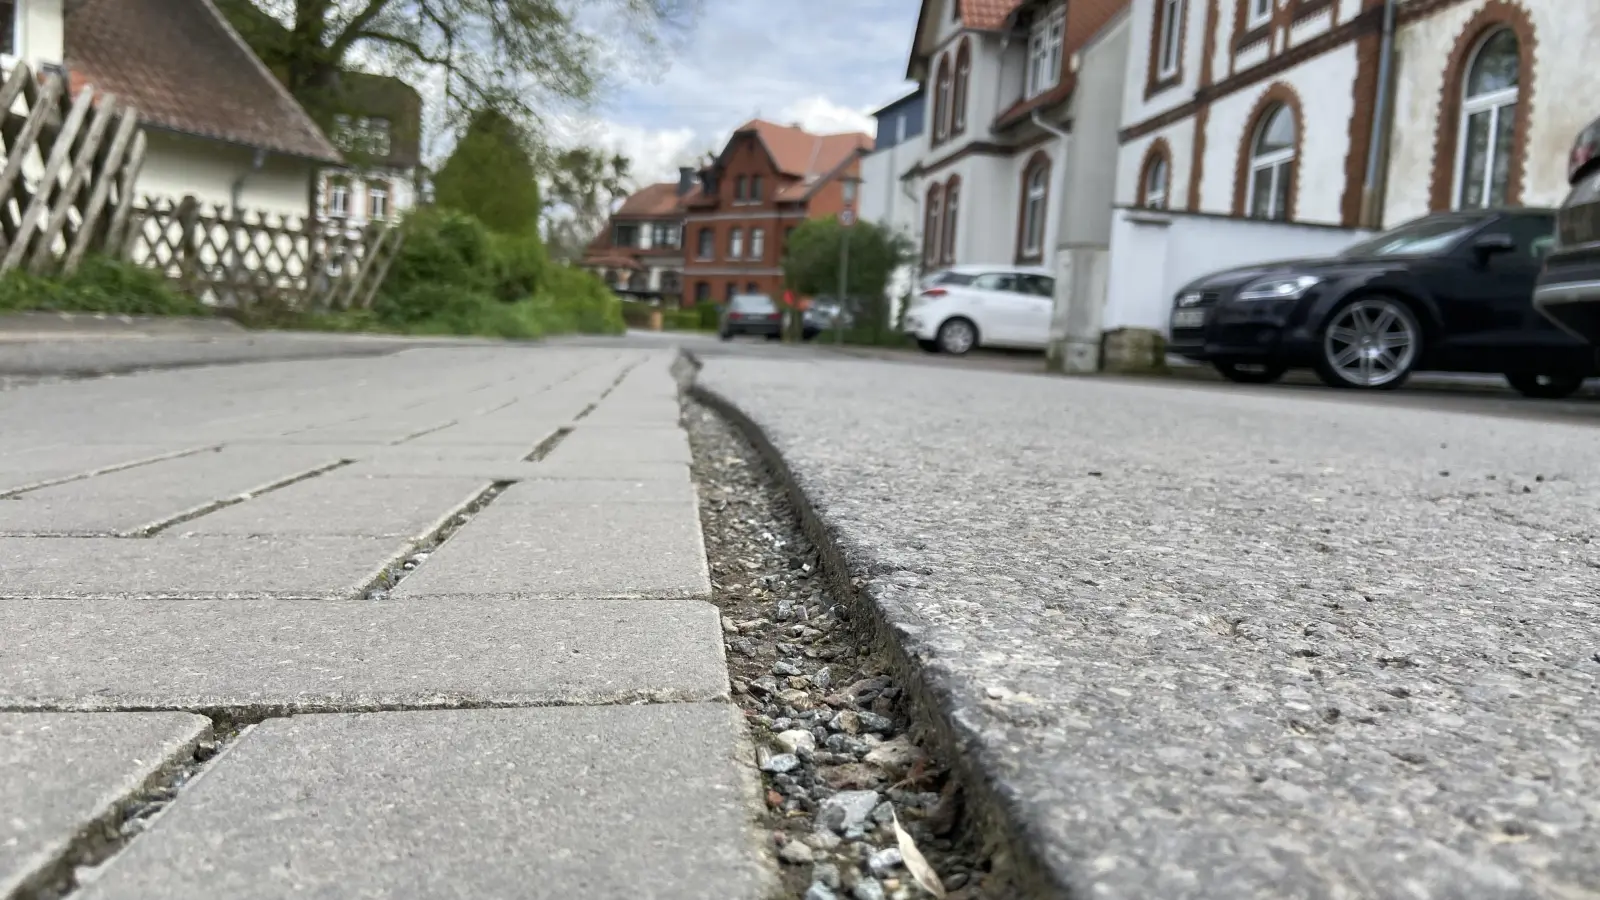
130	500
28	466
342	504
647	550
545	491
544	804
423	467
628	413
297	656
1214	643
625	444
612	470
320	568
62	774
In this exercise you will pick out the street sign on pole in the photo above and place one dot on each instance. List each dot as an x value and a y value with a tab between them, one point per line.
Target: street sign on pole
847	218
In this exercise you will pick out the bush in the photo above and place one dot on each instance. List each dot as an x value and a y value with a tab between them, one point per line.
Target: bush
710	315
101	285
518	265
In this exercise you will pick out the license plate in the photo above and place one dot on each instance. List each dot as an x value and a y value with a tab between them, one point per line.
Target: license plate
1188	318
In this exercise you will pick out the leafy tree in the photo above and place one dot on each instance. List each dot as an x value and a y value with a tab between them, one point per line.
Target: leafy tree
513	54
812	257
490	175
584	183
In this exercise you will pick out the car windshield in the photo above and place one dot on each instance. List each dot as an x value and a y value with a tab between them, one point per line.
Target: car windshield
1423	237
753	303
955	278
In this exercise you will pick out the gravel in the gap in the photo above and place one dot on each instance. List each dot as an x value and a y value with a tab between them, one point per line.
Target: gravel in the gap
829	723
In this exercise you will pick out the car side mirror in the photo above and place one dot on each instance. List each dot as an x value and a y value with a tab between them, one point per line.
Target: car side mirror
1490	244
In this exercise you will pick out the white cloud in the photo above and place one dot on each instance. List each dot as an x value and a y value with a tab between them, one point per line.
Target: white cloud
821	115
655	154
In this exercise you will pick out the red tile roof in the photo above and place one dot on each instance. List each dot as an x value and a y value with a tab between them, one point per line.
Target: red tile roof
987	15
804	156
186	70
652	201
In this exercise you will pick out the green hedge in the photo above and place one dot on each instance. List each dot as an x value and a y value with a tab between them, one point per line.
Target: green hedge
101	285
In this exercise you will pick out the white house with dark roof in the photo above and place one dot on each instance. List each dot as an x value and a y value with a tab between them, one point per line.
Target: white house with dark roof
219	126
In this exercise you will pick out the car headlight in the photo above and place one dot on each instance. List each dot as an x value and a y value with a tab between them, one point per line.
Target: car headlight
1279	288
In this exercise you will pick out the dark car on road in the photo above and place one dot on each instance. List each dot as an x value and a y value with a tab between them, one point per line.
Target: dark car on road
756	314
1569	287
1448	292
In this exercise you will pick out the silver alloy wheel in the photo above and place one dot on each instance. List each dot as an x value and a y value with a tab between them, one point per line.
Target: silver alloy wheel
957	336
1371	342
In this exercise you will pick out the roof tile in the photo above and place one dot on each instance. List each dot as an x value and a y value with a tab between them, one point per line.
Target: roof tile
798	152
987	15
181	65
653	200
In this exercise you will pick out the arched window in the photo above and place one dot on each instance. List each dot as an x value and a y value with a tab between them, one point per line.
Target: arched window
1155	179
702	291
958	101
1488	122
952	208
1035	208
932	215
1272	152
706	243
941	100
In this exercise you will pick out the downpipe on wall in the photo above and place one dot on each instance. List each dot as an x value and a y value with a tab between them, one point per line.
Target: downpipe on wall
1372	189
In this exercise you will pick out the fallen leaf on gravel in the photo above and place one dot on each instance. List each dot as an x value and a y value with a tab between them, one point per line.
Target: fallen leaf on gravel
916	863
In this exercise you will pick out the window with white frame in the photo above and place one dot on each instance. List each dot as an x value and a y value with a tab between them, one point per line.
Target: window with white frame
1488	122
758	243
1044	50
338	199
378	200
1272	165
1170	34
1156	178
736	243
1259	13
1035	200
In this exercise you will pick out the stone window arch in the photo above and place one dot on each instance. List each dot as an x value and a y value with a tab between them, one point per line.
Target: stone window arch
952	212
1269	157
1155	176
963	78
1480	149
1033	210
932	217
941	100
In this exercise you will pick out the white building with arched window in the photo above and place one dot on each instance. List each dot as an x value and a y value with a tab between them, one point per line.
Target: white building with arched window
1263	129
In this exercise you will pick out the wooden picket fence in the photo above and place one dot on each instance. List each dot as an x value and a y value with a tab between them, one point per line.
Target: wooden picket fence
239	258
70	163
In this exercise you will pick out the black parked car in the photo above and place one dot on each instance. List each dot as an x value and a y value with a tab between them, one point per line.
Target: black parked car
1447	292
757	314
1569	287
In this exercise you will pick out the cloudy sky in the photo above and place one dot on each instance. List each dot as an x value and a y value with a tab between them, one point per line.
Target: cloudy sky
821	63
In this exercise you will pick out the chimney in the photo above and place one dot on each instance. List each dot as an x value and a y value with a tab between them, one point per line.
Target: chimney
685	180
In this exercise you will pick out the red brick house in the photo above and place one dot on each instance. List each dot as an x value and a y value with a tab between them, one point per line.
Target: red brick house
767	180
640	251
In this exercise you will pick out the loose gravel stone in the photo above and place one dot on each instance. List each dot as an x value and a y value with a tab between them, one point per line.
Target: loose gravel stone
796	853
884	861
803	674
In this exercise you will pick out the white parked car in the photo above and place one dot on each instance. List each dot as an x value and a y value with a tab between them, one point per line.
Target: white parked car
964	307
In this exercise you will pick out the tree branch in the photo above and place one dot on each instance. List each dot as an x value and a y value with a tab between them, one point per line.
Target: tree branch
356	28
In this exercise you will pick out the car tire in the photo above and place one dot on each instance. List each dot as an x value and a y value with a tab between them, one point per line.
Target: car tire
927	345
726	335
1545	386
957	336
1249	373
1370	342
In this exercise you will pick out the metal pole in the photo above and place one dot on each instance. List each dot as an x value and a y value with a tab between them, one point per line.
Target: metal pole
844	269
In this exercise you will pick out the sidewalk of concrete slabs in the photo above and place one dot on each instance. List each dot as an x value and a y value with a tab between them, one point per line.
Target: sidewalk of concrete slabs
425	624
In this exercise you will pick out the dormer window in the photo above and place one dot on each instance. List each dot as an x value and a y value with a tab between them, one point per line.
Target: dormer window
1044	50
1259	14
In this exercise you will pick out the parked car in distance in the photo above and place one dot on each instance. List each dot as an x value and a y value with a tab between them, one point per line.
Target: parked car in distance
1447	292
756	314
970	306
1568	292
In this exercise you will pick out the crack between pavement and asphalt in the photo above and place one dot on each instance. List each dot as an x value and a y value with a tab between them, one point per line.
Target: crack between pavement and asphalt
985	812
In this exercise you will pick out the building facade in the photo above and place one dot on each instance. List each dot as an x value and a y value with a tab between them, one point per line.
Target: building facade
380	134
640	252
1255	129
767	180
1000	79
887	197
